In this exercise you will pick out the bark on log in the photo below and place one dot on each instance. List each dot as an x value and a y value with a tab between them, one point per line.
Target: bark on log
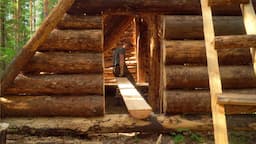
117	123
80	22
61	62
76	84
199	101
191	77
32	45
188	7
72	40
3	132
226	2
235	41
193	52
191	27
46	106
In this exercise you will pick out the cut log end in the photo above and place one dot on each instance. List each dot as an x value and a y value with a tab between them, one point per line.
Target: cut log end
140	114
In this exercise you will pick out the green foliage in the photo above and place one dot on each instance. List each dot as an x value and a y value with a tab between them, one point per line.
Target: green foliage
181	135
7	55
179	138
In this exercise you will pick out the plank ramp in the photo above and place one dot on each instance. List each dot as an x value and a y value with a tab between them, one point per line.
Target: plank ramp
135	103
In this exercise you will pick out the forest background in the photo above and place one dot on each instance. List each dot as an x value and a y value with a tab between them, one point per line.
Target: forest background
19	19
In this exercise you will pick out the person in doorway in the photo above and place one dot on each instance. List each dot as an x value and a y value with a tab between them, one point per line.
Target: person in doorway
119	60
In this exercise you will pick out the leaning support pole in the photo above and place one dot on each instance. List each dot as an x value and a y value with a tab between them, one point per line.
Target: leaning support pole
114	123
38	38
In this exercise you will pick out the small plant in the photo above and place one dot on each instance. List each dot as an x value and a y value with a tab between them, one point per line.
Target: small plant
179	136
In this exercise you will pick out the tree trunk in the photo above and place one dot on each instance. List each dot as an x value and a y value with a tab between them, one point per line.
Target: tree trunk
191	77
31	20
70	40
46	8
57	84
117	123
182	52
47	106
62	62
199	101
2	25
191	27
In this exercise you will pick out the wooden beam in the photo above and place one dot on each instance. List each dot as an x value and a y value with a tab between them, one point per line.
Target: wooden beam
48	106
116	123
226	2
180	52
178	7
191	77
73	40
180	27
155	30
199	101
235	41
135	103
3	132
250	26
80	22
237	99
113	33
218	111
65	62
69	84
38	38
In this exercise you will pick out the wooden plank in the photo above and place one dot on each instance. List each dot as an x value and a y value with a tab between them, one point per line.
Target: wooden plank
250	26
235	41
135	103
226	2
237	99
38	38
218	111
3	132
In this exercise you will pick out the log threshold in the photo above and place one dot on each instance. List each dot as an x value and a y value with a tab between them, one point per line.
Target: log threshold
135	103
113	123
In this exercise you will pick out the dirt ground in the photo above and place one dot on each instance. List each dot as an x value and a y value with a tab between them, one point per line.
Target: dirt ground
180	137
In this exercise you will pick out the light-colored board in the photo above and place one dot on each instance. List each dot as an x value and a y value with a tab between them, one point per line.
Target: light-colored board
237	99
249	17
135	103
218	111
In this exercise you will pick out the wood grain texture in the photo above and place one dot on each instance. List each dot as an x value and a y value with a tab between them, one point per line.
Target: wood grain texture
191	27
193	52
199	102
73	40
235	41
80	22
48	106
75	84
237	99
190	77
135	103
184	7
64	62
36	40
226	2
218	111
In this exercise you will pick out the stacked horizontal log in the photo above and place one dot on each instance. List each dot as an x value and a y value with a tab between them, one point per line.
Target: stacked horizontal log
64	77
185	74
172	7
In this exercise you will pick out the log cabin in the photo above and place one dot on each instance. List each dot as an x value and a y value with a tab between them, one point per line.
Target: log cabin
195	57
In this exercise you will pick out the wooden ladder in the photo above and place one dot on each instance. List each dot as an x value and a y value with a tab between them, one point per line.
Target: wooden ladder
219	99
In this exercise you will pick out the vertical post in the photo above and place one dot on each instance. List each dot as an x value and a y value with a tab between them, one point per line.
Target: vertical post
3	131
143	50
155	35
